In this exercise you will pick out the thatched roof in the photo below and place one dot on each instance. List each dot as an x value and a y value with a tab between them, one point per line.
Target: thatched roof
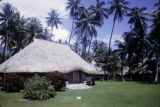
99	70
45	56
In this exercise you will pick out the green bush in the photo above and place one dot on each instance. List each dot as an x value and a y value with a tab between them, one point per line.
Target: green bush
58	80
38	88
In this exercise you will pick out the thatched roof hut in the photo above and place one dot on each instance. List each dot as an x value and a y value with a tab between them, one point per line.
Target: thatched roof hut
45	56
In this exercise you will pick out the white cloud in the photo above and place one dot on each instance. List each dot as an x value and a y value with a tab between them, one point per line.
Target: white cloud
114	38
60	33
40	9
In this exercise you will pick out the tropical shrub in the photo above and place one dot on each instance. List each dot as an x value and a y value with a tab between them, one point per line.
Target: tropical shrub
38	88
58	80
13	82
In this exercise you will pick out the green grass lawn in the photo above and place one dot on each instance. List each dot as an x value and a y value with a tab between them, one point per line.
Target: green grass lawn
104	94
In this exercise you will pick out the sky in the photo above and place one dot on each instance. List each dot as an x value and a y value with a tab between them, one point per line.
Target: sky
40	9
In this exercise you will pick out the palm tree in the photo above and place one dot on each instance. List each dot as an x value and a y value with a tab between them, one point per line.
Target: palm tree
76	47
99	13
100	54
46	35
138	20
86	30
99	51
129	50
155	39
12	30
35	28
113	65
120	52
20	37
53	19
119	9
8	17
157	4
75	10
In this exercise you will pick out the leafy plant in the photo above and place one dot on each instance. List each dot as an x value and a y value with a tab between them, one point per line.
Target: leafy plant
38	88
58	80
13	82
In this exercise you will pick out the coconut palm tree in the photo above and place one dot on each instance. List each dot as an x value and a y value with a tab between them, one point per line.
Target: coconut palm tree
8	18
127	51
46	35
138	19
157	4
85	29
100	13
129	54
35	28
155	39
99	49
75	11
77	47
119	9
53	19
113	66
120	52
20	37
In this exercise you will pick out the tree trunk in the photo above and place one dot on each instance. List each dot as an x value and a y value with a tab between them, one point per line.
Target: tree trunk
142	64
114	21
122	73
114	75
108	76
5	57
104	76
76	50
129	72
122	76
89	46
157	70
71	32
110	40
84	52
5	47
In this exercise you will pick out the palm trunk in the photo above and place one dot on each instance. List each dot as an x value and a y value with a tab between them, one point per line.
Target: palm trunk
5	48
114	75
84	53
108	76
76	46
129	72
122	76
84	45
110	43
142	64
157	70
89	45
110	40
104	75
122	73
71	32
4	51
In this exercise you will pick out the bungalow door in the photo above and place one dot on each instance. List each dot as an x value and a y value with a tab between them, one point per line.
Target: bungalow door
77	77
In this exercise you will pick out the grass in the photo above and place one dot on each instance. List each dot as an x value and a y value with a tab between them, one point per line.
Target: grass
104	94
